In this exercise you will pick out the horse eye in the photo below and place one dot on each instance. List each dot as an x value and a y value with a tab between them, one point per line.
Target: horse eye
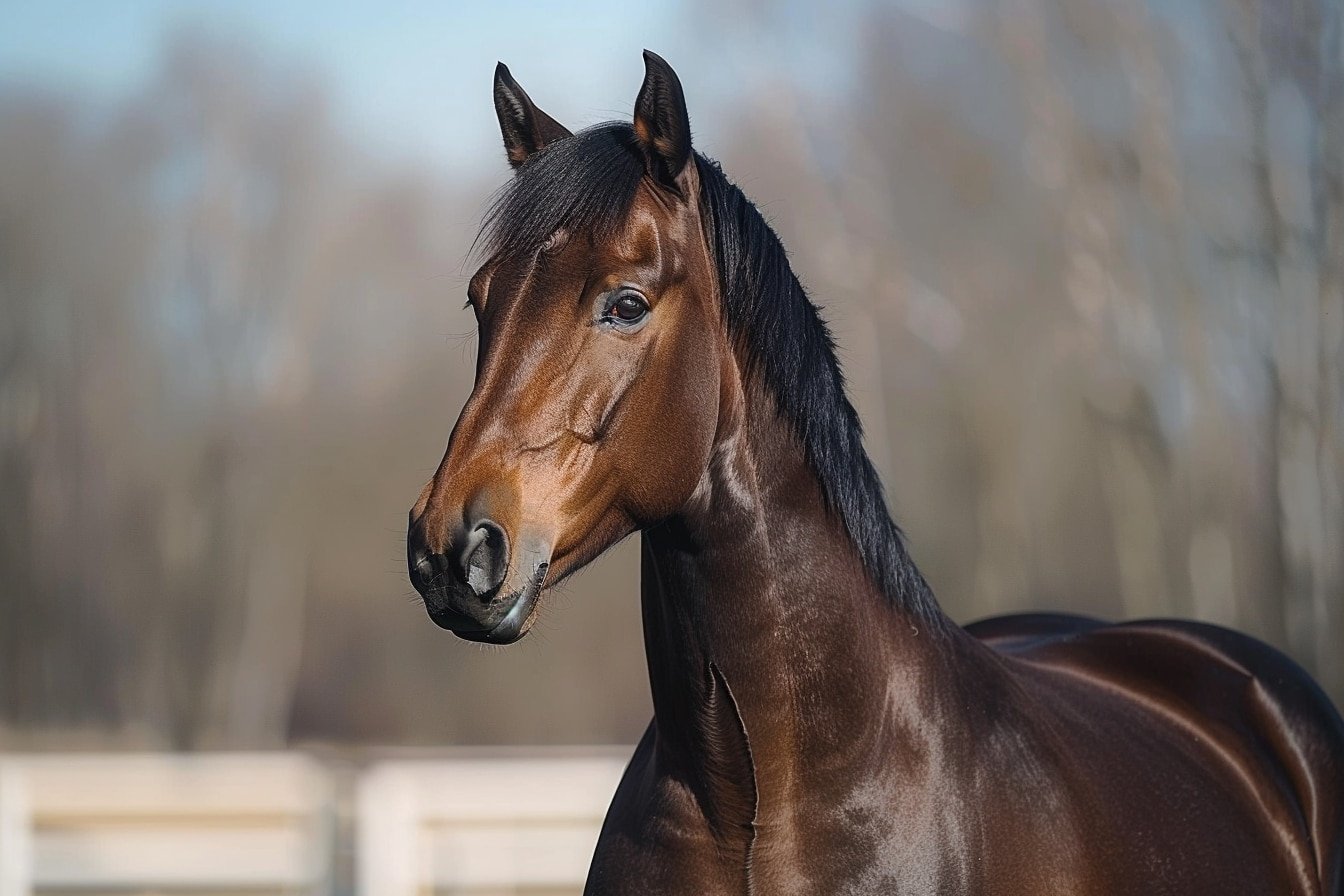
555	241
628	308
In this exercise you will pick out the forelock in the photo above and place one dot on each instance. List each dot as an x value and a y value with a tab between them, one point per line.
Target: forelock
584	183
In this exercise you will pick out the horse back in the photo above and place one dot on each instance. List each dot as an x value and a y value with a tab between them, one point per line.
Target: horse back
1264	713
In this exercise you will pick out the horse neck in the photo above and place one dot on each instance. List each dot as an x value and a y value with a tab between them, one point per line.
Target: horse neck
772	654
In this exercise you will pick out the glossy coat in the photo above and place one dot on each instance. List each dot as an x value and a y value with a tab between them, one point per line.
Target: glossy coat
819	726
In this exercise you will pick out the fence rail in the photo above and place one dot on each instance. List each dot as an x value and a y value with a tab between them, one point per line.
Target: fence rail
268	823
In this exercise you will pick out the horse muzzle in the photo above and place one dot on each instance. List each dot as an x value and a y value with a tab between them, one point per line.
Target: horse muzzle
479	586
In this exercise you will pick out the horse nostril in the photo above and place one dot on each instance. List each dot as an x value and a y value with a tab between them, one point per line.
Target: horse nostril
427	568
485	557
419	560
424	565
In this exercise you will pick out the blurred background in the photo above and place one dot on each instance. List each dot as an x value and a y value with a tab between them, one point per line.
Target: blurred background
1084	258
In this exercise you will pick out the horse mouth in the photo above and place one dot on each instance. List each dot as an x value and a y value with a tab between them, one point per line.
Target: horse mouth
516	622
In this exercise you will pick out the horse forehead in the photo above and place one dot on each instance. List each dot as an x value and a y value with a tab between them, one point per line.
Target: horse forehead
638	242
651	229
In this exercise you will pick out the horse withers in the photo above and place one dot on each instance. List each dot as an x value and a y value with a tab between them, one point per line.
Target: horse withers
649	362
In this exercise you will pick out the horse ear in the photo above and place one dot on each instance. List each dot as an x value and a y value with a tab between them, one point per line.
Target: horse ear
526	128
662	127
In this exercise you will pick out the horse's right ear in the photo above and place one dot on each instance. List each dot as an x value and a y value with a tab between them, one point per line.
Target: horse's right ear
526	128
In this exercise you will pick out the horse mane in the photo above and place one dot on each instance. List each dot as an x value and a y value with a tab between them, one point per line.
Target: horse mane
587	182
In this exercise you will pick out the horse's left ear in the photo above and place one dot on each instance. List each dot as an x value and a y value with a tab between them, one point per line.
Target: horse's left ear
662	127
525	128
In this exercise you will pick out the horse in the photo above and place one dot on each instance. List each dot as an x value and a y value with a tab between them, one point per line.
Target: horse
650	363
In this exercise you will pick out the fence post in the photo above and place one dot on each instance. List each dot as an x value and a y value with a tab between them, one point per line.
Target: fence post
16	839
387	821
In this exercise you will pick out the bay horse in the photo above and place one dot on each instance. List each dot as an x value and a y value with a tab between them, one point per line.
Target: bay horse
649	363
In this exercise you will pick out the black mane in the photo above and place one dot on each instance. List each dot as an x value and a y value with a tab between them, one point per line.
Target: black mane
588	181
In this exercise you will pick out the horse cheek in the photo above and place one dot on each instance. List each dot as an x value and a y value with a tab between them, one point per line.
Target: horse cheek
680	427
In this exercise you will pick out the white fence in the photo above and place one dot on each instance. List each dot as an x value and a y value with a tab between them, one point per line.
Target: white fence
270	823
161	823
482	826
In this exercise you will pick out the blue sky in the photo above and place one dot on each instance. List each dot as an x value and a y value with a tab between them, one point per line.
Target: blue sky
410	78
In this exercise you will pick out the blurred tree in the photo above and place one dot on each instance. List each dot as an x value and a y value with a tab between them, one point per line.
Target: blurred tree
1102	241
174	274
